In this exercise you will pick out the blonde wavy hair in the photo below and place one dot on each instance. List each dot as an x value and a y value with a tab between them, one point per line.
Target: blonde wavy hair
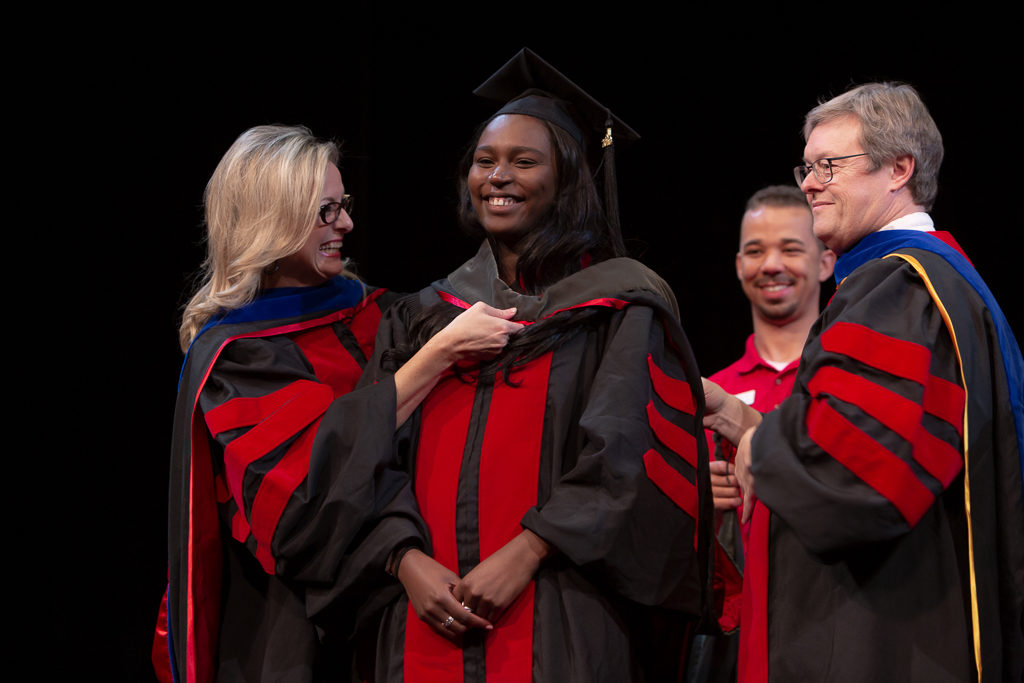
261	205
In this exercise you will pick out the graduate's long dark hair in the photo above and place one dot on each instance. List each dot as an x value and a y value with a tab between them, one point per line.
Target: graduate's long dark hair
574	233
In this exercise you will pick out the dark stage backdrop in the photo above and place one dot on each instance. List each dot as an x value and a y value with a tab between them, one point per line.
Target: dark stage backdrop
717	97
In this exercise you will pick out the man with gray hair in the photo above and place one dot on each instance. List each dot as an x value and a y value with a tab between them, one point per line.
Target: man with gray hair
884	496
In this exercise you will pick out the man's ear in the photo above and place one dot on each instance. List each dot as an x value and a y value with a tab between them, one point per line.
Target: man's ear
902	171
826	264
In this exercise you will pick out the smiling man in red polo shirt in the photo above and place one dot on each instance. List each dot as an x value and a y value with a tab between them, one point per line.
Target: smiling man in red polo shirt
780	265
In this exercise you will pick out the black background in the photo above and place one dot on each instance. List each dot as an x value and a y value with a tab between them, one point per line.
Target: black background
147	109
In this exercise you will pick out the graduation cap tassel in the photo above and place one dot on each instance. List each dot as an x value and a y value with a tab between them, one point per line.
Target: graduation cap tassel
611	189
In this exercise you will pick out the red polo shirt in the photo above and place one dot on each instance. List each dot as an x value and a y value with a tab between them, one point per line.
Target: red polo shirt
755	382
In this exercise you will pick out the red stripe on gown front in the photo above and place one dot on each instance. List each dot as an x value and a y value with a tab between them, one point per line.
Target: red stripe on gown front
509	466
203	599
445	422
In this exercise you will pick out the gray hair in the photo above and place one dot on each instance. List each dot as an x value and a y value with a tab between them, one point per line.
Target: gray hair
894	122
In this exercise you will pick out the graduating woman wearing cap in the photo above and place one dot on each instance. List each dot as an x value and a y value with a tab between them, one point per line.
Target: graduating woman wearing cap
278	466
564	483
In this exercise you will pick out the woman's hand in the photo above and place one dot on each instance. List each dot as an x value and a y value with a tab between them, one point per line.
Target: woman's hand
724	487
429	587
478	333
490	587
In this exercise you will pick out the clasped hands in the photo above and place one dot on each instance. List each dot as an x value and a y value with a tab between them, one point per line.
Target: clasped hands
452	605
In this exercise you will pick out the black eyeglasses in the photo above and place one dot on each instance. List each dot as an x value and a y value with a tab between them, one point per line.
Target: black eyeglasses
329	212
822	168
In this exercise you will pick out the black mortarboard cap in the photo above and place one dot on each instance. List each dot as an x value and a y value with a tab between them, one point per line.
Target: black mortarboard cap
528	85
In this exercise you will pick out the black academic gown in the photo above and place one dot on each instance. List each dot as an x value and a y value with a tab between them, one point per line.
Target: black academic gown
277	467
876	569
598	448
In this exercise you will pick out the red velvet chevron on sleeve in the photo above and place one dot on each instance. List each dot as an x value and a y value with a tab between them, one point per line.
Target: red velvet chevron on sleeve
676	394
877	465
274	418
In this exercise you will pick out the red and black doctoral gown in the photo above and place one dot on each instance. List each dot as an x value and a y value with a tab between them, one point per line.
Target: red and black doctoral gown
277	467
597	447
884	558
